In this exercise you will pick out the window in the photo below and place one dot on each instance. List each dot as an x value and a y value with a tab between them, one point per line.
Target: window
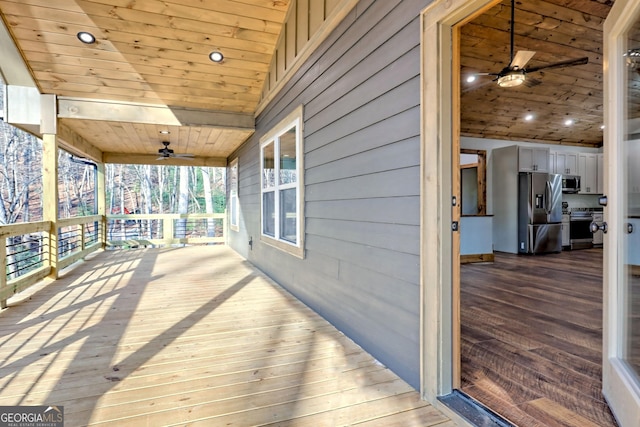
281	185
234	215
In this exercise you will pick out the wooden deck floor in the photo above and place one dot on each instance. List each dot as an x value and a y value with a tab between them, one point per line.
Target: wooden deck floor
532	338
190	336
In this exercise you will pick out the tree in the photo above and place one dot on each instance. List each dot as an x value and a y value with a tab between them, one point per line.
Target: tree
208	199
20	174
183	201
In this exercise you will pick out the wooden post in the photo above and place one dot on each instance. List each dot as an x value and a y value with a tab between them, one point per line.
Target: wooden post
167	229
225	228
3	269
83	237
102	204
50	197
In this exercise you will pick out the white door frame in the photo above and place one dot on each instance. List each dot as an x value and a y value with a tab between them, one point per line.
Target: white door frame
621	392
436	290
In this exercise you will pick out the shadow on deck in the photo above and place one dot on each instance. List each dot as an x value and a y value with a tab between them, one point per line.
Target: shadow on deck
190	336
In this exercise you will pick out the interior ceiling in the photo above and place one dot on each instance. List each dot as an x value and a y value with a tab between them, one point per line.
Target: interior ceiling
151	52
556	30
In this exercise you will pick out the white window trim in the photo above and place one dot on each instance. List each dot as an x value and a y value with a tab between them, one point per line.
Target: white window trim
295	118
233	192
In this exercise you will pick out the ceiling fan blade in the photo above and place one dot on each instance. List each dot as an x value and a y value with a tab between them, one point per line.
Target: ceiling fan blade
561	64
184	156
532	82
476	86
162	158
521	59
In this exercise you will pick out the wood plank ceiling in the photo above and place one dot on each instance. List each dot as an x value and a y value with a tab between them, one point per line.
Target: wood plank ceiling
151	52
556	30
156	52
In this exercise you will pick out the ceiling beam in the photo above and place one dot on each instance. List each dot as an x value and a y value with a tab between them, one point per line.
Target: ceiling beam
77	145
152	159
105	110
12	67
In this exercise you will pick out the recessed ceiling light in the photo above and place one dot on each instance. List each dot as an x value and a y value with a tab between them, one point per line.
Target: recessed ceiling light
601	127
528	117
568	122
216	56
165	132
471	78
86	37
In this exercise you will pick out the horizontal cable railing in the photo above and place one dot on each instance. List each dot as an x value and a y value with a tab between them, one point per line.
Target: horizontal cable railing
24	256
26	252
78	237
136	230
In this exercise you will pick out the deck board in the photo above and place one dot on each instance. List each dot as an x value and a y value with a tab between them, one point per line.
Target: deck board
190	336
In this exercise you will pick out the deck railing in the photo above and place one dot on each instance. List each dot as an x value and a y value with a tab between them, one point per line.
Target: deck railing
31	251
24	256
165	229
78	237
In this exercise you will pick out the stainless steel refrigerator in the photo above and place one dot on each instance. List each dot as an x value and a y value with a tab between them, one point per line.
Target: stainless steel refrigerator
539	212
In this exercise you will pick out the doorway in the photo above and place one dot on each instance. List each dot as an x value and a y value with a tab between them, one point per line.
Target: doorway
531	326
440	24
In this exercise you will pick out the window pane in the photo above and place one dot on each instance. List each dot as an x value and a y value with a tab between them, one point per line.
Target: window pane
233	178
288	171
288	218
269	214
234	210
268	165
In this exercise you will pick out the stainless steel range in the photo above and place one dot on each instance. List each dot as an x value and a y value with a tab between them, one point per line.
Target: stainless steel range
579	231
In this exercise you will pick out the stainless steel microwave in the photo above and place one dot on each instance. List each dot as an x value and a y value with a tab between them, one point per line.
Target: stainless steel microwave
570	183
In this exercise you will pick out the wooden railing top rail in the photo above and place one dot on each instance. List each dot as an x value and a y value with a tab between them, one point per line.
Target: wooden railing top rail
166	216
67	222
10	230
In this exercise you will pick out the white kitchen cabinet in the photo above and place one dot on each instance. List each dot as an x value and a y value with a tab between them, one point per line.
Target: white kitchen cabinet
588	171
533	159
600	174
564	163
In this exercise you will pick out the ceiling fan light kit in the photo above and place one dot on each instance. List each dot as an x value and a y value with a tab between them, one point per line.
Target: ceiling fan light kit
515	74
166	153
512	79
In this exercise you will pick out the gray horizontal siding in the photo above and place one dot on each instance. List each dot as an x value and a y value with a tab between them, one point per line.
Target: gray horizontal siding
393	237
393	156
395	183
361	97
398	210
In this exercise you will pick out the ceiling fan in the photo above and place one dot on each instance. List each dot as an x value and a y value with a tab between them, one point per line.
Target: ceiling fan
516	72
166	153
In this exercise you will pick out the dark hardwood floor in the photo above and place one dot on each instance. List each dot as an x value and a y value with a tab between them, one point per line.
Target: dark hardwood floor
532	338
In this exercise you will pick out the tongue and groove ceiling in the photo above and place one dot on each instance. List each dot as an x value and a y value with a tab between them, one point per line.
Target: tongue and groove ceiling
556	30
154	53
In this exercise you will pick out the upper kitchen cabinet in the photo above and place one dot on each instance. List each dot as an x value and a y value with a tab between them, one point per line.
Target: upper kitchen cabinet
563	163
533	159
588	171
